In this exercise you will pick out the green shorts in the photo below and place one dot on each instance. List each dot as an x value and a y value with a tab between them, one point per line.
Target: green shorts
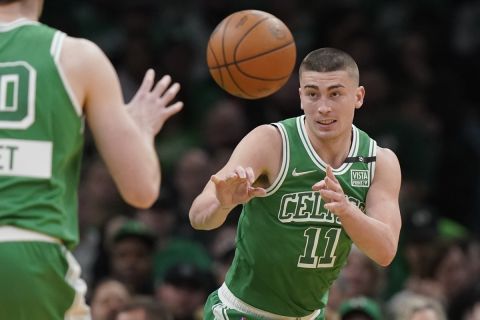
215	309
40	281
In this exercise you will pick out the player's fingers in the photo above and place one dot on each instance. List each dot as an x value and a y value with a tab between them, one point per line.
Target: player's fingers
319	185
240	171
147	82
162	85
215	179
330	173
332	206
332	185
256	192
173	109
331	195
250	174
171	93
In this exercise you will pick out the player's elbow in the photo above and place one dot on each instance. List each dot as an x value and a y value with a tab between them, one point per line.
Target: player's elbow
385	261
142	198
198	222
387	257
195	222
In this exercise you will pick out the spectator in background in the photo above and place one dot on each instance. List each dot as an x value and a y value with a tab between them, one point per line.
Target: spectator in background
184	291
412	306
360	308
108	297
131	257
143	309
190	173
466	305
361	276
223	127
222	250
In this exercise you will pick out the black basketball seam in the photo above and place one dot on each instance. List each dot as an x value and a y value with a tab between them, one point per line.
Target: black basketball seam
253	57
259	78
245	35
216	60
225	58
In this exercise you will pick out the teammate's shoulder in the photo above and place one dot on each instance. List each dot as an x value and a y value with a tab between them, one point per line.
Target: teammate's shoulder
82	45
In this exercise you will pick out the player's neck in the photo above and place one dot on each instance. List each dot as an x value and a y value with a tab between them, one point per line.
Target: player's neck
334	151
16	11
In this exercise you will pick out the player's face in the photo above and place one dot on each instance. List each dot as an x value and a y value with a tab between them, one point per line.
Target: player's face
329	100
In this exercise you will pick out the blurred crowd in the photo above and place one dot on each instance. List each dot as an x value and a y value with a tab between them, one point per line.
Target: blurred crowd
419	63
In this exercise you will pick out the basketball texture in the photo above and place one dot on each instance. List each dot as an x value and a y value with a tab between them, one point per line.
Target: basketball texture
251	54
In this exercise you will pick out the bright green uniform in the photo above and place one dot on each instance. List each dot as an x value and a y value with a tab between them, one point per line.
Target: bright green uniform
41	139
289	247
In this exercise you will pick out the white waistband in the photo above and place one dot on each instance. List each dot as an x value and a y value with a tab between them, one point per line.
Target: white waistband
14	234
229	299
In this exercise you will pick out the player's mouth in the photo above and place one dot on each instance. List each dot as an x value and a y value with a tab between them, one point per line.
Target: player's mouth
326	122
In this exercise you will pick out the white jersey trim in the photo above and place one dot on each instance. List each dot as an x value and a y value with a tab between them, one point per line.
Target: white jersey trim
373	153
79	310
55	51
228	299
15	234
322	165
285	161
5	27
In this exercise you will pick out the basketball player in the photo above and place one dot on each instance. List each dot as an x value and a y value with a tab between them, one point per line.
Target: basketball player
309	186
49	83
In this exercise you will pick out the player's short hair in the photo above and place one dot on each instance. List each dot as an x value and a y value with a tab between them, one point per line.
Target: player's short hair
328	60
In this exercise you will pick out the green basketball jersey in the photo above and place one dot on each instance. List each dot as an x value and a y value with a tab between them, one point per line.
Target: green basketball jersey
289	247
41	133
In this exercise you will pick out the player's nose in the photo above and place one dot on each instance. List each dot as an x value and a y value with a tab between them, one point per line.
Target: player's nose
323	106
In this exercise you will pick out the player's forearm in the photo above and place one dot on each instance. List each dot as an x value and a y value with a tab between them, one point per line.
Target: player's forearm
371	236
206	213
136	171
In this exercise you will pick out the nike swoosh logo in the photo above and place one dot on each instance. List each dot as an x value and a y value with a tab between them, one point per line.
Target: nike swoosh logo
295	173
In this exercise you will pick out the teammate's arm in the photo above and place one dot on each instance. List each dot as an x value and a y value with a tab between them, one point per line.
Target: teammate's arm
375	233
258	154
127	149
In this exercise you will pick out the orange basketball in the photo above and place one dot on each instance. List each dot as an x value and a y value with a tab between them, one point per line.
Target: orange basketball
251	54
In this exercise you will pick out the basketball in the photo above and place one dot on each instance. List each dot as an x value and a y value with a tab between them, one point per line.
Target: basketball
251	54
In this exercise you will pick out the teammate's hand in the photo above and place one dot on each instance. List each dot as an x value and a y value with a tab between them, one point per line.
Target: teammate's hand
333	195
150	106
236	188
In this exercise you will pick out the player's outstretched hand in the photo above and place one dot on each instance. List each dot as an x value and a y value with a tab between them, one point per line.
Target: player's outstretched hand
150	106
332	192
237	187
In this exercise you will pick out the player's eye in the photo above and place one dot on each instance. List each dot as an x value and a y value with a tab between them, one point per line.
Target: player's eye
334	94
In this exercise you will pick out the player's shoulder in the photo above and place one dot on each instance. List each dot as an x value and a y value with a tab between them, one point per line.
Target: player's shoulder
386	154
81	57
265	133
387	160
82	48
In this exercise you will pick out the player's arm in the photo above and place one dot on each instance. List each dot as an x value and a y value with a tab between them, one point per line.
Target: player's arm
376	233
258	154
126	148
383	208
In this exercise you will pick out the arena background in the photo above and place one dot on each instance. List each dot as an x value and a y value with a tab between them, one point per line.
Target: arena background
419	62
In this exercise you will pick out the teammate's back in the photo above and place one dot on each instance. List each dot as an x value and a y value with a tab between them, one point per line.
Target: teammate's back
40	133
50	83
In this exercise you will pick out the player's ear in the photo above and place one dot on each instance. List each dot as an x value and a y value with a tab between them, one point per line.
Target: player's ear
359	96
